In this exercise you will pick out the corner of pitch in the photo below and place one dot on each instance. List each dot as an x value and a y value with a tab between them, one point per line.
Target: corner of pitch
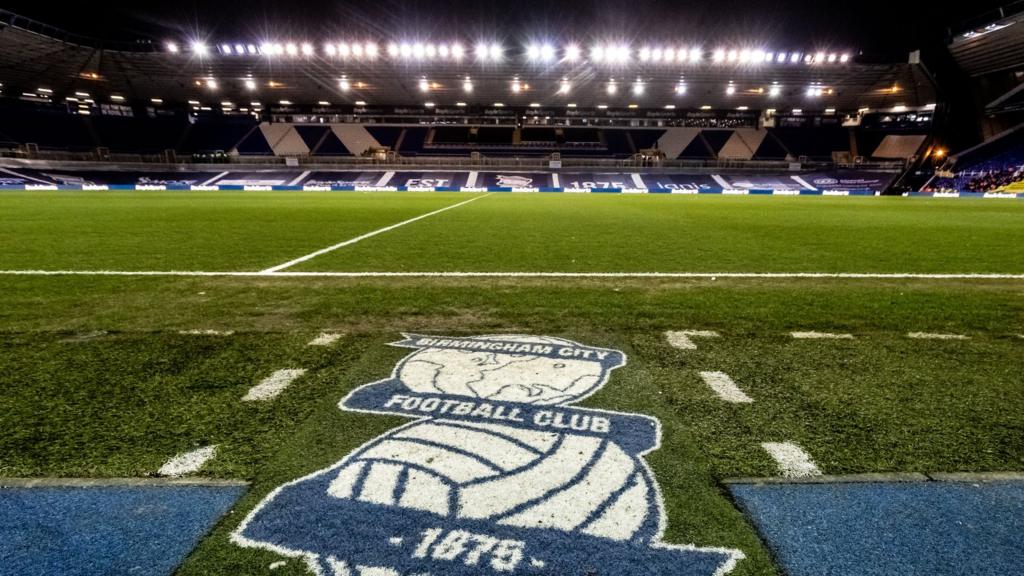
498	473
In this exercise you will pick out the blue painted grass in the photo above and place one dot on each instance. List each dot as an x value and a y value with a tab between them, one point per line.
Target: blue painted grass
75	531
933	528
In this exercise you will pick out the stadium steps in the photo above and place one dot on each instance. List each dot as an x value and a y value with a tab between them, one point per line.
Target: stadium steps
91	129
284	140
899	146
253	143
675	140
742	145
356	138
698	148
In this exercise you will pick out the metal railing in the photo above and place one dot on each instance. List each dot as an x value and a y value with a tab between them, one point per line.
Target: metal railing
153	161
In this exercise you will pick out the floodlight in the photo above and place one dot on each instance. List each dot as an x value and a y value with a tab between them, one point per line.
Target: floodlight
200	48
424	85
250	84
495	52
481	51
638	88
330	50
458	51
171	47
774	91
564	87
467	86
572	53
393	50
547	52
344	84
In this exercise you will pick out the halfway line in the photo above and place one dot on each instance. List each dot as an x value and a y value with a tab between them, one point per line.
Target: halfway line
349	242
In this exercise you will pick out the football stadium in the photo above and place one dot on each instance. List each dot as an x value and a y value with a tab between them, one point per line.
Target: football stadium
534	288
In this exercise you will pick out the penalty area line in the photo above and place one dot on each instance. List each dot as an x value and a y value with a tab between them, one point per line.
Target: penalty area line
352	241
569	275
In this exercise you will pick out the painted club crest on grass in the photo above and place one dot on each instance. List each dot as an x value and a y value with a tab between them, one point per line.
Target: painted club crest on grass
498	474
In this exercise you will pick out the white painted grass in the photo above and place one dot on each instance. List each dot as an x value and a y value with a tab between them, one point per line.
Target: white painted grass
206	332
934	336
325	339
793	462
683	339
187	462
272	385
821	336
351	241
570	275
724	386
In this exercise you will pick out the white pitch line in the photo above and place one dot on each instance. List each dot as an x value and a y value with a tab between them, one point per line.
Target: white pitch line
612	275
206	332
351	241
792	460
932	336
187	462
325	339
683	339
272	385
820	336
214	179
726	389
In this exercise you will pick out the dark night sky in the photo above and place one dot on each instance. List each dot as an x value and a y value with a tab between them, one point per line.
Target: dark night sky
873	26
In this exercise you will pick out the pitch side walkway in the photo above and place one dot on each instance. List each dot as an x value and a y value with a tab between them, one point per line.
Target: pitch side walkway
873	527
86	527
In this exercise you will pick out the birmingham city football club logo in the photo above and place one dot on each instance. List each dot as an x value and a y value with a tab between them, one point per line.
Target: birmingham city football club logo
498	474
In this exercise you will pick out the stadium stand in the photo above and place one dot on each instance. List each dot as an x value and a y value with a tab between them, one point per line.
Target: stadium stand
992	166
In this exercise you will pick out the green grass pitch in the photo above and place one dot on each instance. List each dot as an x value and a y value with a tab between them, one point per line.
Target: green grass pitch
98	382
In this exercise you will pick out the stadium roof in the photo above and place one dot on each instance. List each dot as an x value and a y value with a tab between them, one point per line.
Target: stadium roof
992	45
34	57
